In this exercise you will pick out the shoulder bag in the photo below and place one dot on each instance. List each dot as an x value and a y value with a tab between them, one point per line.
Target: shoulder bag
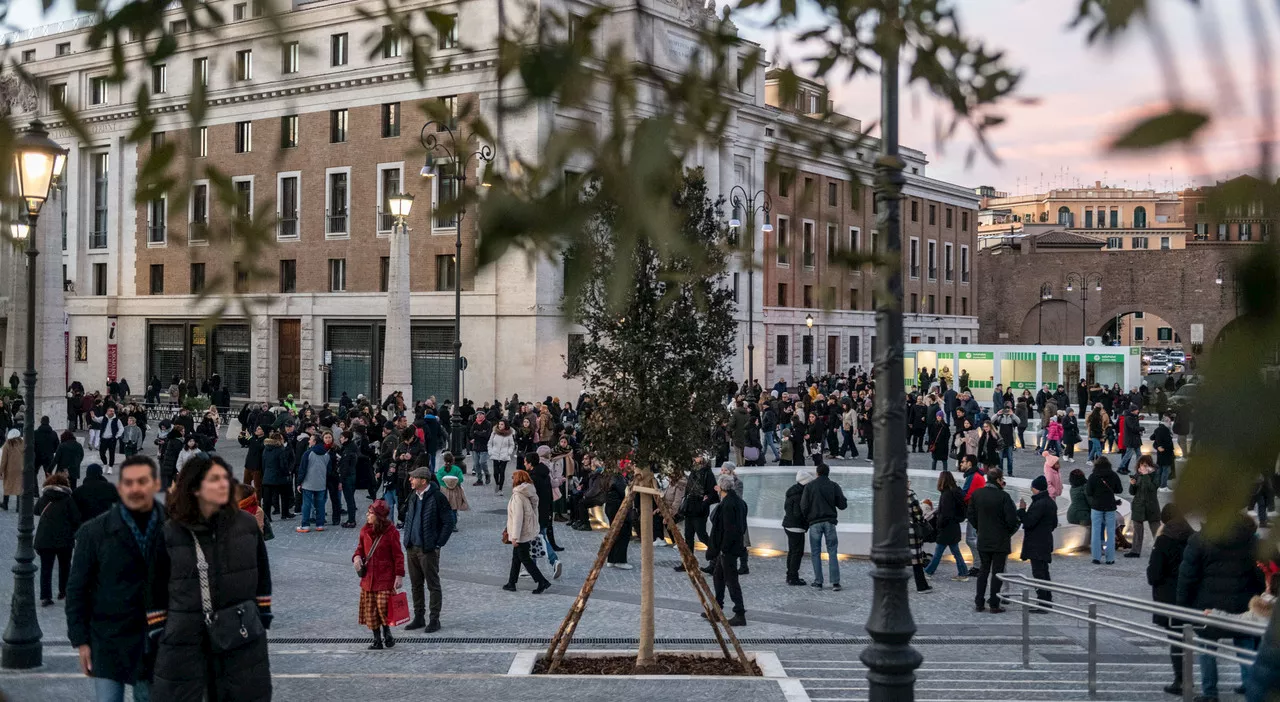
230	627
364	562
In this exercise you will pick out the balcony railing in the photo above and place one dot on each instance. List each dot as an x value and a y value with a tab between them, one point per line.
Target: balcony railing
288	227
386	221
335	222
98	239
951	274
156	234
808	259
933	272
964	276
915	271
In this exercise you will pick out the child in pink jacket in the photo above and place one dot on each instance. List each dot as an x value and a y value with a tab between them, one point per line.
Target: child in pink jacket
1052	473
1054	434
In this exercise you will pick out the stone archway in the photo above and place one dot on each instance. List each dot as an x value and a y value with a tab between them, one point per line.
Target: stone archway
1051	322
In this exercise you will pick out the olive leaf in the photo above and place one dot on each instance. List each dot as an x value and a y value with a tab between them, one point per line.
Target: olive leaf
1178	124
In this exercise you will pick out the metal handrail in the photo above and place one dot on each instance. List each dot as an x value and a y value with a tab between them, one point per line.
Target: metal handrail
1188	642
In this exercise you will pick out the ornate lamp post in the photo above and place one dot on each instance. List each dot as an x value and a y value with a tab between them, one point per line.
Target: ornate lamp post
808	322
37	161
452	169
1046	294
747	203
397	371
1084	280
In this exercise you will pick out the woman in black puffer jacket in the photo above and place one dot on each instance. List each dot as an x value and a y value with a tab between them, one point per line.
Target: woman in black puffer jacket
202	512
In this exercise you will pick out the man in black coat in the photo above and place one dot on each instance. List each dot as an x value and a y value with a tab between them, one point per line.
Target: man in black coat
46	445
699	495
727	545
994	518
96	494
429	522
1039	519
1162	576
540	472
107	594
819	503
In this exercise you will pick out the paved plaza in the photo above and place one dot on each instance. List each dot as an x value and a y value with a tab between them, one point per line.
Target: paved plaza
318	650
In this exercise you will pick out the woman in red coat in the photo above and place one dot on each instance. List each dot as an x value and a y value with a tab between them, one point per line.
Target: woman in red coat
379	552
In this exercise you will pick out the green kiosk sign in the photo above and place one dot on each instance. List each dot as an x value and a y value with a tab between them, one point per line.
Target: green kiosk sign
977	355
1105	358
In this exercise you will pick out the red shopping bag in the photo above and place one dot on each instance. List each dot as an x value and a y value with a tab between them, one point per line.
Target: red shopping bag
398	608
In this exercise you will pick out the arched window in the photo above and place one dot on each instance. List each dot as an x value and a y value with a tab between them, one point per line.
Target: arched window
1064	216
1139	217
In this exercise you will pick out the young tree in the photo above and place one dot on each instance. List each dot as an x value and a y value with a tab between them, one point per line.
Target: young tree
655	356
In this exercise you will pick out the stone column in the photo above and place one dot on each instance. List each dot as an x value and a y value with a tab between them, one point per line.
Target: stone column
397	368
51	309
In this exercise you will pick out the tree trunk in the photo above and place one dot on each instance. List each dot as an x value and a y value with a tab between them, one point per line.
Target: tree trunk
644	657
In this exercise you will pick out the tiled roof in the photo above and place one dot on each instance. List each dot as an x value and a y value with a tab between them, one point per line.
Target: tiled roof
1059	238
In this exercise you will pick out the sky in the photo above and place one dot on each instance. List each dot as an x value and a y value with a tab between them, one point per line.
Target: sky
1084	95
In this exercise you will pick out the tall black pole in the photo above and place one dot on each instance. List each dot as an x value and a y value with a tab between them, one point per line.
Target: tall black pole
21	647
891	661
751	317
457	427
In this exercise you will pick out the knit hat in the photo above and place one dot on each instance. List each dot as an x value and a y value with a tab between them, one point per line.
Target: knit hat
1040	483
804	477
13	434
94	470
380	509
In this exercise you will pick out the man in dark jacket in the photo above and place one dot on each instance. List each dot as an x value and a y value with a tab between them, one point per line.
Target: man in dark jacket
478	432
1039	519
819	504
253	458
992	514
727	545
429	523
540	471
699	495
46	445
1162	576
96	494
1132	439
795	526
1221	574
739	425
1101	491
107	590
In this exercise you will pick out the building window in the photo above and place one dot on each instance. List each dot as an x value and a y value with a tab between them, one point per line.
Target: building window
782	294
388	185
100	279
1138	242
806	295
784	241
288	275
964	306
932	259
807	228
964	263
1139	314
1246	232
915	303
197	278
1164	333
57	96
157	140
289	131
1115	219
784	183
98	91
444	272
1115	242
244	198
1088	219
1165	244
200	72
244	137
1201	208
855	235
199	212
855	349
1138	333
240	277
782	354
831	195
289	58
1202	230
157	279
337	126
244	64
390	120
833	243
1139	217
156	221
390	42
101	174
338	49
913	257
853	298
949	221
159	79
448	32
337	275
287	200
946	305
337	200
948	262
806	349
1064	216
915	210
449	106
178	27
1222	232
239	11
446	194
201	138
933	215
384	274
932	307
964	221
62	49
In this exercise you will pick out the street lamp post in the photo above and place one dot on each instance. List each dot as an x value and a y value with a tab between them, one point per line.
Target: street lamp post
455	173
1046	294
37	161
1220	276
397	371
742	201
808	322
890	659
1084	280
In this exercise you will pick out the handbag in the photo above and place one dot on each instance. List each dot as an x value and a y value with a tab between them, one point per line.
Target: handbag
397	608
233	626
364	562
538	548
267	532
506	538
751	453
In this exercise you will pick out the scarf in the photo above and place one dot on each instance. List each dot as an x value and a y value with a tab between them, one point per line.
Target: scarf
143	539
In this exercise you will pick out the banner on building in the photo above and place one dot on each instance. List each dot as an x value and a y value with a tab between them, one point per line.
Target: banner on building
113	358
66	350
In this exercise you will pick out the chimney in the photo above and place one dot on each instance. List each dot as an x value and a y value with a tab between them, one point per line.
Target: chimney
1097	184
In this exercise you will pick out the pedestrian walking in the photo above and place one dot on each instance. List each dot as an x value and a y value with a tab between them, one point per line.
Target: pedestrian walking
615	507
313	479
11	459
950	514
478	443
1145	503
820	503
1039	520
95	495
1162	446
699	495
212	561
939	442
995	519
1052	474
429	523
68	457
110	433
1101	491
915	540
379	561
1162	576
794	524
501	450
277	498
522	532
727	546
55	535
108	587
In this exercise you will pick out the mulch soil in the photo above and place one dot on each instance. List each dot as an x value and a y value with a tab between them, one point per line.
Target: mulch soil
664	664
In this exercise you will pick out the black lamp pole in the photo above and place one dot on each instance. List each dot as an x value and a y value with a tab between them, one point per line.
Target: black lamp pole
890	659
1046	294
431	142
1084	280
39	160
747	203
